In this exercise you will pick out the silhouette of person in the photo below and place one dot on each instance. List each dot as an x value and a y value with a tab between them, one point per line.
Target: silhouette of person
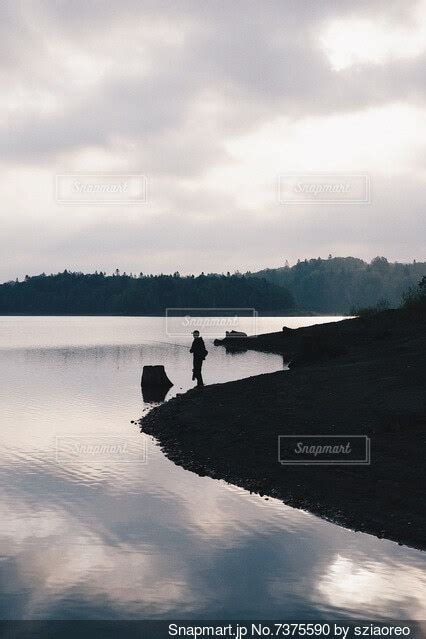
199	353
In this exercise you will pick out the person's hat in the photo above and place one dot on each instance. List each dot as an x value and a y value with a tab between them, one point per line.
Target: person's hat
195	333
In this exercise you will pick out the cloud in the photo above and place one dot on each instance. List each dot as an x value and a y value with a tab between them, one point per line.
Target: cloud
172	90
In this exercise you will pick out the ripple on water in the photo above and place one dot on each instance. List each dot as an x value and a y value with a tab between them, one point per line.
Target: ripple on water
130	534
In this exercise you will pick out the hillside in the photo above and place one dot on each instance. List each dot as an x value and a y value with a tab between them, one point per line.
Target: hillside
343	284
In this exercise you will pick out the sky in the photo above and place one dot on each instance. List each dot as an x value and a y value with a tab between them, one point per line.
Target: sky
217	104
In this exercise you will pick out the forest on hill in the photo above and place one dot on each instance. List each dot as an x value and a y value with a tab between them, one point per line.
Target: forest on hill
346	284
340	285
70	293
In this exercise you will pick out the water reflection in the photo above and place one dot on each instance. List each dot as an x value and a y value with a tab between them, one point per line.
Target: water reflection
363	582
93	537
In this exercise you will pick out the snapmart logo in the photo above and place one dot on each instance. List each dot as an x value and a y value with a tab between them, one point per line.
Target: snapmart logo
323	449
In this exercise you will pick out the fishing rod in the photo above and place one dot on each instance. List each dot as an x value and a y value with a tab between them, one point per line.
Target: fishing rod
155	341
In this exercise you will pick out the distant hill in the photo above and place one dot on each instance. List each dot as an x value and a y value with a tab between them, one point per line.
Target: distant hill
99	294
339	285
342	284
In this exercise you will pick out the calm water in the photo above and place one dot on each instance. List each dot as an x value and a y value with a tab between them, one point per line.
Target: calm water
118	531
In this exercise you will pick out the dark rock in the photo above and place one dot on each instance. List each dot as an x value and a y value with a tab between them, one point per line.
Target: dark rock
155	383
155	376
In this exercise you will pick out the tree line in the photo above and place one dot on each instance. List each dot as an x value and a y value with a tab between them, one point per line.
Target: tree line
341	285
346	284
70	293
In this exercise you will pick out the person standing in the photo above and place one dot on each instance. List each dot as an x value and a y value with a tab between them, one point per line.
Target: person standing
199	353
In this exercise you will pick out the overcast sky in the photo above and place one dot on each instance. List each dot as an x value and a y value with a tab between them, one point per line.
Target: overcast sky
211	101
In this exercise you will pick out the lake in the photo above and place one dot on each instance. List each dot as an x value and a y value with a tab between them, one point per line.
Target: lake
97	523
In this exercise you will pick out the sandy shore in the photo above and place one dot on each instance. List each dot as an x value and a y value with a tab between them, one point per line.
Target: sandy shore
354	377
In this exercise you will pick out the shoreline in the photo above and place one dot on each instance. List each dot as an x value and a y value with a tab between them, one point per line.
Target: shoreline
278	313
353	377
